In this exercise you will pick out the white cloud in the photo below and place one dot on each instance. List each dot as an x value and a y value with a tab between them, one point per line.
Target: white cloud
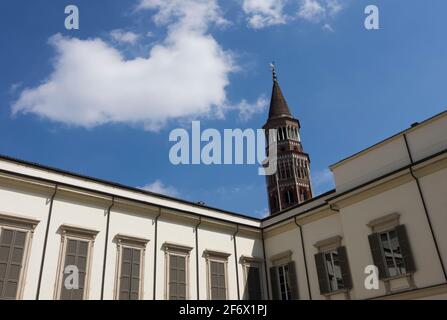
247	110
124	36
328	27
318	10
160	188
311	10
92	83
264	13
322	181
264	213
333	7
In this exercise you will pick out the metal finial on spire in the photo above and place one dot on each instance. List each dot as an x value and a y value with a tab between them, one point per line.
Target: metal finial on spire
273	67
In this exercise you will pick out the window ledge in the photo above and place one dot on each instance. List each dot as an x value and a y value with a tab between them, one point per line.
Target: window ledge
333	293
406	275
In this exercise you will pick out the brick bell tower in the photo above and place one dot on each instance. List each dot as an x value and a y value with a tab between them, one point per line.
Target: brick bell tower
291	184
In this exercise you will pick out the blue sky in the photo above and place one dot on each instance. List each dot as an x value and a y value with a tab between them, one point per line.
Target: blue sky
102	100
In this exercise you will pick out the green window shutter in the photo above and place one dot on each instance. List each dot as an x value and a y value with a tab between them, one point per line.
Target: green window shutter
405	248
76	255
377	254
218	281
177	278
254	283
12	248
275	283
293	283
322	274
135	276
130	274
344	266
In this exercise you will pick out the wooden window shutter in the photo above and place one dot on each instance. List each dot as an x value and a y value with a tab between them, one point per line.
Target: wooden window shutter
274	282
377	254
254	283
405	248
126	267
177	278
218	281
76	255
135	276
130	274
321	272
12	248
293	283
344	266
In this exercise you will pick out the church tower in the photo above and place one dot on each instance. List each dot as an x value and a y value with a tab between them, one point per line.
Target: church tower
291	183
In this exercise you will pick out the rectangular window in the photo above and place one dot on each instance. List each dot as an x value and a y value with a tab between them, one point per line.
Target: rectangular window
333	270
72	281
130	277
284	285
76	256
254	283
218	281
12	248
177	277
394	261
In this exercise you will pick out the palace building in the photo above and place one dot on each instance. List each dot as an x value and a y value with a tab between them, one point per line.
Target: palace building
387	213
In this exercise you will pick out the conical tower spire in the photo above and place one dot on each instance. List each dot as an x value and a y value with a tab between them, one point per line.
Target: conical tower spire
278	104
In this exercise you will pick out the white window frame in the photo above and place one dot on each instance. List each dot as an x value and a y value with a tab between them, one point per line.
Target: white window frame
331	253
173	249
125	241
286	280
248	262
281	260
220	257
388	240
22	224
70	232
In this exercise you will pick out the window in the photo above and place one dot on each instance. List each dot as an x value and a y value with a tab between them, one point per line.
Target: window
177	271
284	286
390	247
15	240
283	277
333	270
252	275
177	277
217	274
76	253
130	279
254	283
129	282
392	253
332	266
218	281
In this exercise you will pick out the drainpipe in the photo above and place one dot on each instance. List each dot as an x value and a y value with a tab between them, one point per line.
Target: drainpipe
235	261
265	265
427	215
155	253
104	264
44	251
197	257
305	260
